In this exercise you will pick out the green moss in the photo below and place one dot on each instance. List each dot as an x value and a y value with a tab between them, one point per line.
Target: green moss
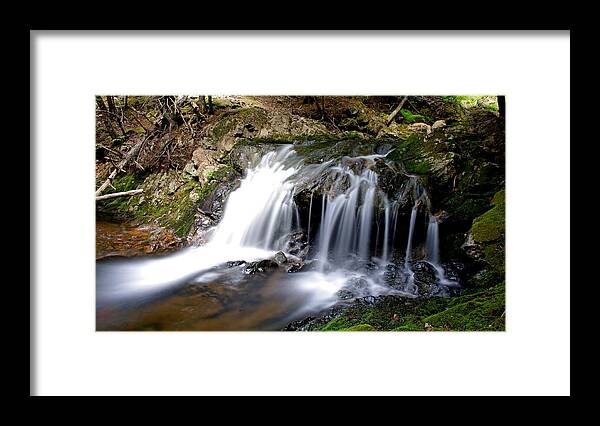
486	278
176	211
219	174
488	231
481	312
337	324
409	327
487	102
119	140
409	117
490	225
230	121
494	256
475	310
413	153
182	211
359	327
419	167
499	198
137	130
465	208
118	206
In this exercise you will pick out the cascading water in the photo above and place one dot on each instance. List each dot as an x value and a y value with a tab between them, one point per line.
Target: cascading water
260	216
309	217
413	219
262	210
432	241
346	215
432	248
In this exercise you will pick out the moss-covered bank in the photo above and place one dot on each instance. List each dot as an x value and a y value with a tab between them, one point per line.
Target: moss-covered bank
169	199
481	310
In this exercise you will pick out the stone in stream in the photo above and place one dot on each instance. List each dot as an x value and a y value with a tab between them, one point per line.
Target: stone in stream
280	258
260	266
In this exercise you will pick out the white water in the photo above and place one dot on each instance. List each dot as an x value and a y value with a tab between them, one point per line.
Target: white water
432	249
261	213
432	241
413	219
309	217
347	219
256	217
386	232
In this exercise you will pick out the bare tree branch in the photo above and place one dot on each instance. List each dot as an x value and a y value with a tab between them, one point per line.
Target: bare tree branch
396	111
119	194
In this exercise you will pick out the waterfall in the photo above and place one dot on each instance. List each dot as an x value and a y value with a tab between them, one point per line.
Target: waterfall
395	220
261	213
432	249
309	217
262	210
413	219
432	242
386	232
366	218
347	217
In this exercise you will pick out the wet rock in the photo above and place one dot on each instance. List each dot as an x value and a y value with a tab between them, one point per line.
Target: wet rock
344	294
358	283
233	263
454	270
425	279
280	258
294	267
473	249
296	245
384	148
311	265
244	155
260	266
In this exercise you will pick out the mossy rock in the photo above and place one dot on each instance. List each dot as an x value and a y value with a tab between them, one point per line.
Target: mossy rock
489	226
173	208
488	232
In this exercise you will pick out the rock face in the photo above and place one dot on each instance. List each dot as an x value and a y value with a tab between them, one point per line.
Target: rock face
205	163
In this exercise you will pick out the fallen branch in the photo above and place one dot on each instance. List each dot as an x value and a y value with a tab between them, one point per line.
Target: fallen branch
119	194
132	153
396	111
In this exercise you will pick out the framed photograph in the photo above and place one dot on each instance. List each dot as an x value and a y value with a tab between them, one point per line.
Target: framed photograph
230	222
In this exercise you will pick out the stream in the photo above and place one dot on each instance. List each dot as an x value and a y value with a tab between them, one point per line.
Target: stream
268	263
